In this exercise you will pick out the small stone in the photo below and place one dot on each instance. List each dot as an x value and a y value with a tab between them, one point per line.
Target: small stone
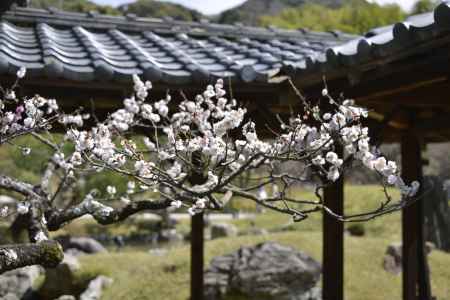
95	288
356	229
219	230
392	261
170	236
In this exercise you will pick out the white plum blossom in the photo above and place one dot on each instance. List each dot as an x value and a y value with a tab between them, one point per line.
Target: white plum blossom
131	186
318	160
76	159
333	174
262	194
10	255
125	200
201	203
111	190
23	208
176	204
40	237
4	212
21	72
26	151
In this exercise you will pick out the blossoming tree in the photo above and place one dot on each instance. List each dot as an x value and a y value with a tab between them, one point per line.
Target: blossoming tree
187	154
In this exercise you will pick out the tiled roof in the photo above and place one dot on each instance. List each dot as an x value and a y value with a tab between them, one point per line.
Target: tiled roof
377	44
89	47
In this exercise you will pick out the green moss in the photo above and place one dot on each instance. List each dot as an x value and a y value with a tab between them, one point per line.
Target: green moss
52	253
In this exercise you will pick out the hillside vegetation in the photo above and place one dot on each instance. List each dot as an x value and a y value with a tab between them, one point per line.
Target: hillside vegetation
353	16
251	11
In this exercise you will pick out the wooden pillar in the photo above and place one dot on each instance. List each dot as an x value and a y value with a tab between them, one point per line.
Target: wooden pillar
416	284
333	242
197	257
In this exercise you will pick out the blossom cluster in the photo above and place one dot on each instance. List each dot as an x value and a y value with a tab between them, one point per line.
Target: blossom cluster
209	134
23	115
341	126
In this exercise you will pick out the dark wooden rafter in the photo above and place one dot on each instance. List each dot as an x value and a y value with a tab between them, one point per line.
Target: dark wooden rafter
6	4
416	281
197	256
333	241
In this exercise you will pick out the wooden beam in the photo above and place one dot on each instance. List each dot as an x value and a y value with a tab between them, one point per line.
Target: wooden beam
416	285
381	67
333	242
197	256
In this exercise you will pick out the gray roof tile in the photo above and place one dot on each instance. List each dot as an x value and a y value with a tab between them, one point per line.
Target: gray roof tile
377	43
88	47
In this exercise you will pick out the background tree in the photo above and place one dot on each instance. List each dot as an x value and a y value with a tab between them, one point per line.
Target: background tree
156	9
75	5
353	17
423	6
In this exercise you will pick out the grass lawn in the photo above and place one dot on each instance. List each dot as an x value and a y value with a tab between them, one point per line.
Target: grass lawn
141	275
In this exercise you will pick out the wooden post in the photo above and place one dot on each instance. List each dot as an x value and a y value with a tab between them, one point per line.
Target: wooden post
197	259
333	242
416	283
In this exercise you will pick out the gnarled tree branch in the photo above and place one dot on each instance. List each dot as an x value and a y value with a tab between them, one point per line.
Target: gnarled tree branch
46	253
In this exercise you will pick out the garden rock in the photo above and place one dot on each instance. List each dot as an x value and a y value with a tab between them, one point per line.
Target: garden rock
220	230
18	284
265	271
169	236
61	280
392	261
357	229
85	244
95	288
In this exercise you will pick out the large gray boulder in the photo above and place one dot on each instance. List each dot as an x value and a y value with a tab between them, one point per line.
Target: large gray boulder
18	284
84	244
62	279
219	230
267	271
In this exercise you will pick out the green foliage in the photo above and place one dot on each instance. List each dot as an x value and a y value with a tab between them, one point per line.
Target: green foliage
142	8
352	17
30	168
423	6
251	10
156	9
75	5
